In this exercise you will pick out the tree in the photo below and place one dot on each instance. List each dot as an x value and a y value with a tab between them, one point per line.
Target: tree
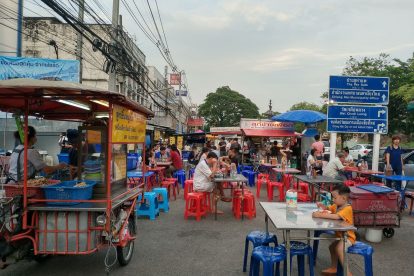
305	106
226	107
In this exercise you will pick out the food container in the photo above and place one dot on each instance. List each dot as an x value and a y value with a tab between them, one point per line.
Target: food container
291	199
66	190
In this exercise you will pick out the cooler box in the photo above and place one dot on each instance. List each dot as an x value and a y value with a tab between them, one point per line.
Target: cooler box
379	208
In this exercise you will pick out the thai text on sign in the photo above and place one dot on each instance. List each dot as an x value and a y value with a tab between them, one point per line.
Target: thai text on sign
127	126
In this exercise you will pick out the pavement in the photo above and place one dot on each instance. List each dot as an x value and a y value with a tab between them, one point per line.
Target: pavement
171	245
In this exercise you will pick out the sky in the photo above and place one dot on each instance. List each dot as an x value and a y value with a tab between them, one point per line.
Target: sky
276	50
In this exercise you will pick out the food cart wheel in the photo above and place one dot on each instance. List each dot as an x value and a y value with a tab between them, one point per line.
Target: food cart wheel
388	232
125	253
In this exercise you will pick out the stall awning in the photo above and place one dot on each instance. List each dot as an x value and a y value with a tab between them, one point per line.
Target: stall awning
268	132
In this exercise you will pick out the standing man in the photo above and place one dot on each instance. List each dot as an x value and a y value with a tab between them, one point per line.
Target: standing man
394	161
318	145
222	146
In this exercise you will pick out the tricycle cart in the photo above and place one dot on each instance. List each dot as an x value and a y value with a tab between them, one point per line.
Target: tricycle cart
94	211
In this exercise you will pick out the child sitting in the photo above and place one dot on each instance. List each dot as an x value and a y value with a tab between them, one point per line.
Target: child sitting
341	209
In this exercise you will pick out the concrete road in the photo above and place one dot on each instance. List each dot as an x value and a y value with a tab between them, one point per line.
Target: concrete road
171	245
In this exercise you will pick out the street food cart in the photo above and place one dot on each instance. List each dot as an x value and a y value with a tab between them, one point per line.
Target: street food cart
57	220
256	130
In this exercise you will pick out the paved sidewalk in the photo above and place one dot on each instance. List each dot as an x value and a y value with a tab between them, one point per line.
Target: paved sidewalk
171	245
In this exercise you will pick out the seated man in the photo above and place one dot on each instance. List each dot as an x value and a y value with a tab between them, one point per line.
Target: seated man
335	167
203	176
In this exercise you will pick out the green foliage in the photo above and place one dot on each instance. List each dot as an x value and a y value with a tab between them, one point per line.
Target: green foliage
401	74
226	107
305	106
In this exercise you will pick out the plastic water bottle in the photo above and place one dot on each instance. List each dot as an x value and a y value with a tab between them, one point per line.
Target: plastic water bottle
291	199
289	164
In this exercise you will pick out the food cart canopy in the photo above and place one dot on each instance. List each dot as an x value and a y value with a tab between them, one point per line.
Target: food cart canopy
225	130
60	100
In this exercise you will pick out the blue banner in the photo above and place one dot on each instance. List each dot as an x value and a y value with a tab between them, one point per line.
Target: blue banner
39	68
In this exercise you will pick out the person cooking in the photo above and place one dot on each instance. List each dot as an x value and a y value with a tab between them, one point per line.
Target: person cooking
35	162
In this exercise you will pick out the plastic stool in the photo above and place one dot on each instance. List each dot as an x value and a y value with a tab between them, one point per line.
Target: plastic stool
164	204
261	179
149	207
168	184
188	188
303	187
366	251
257	238
194	206
191	173
180	175
316	234
280	186
268	256
301	250
249	206
302	197
250	175
349	183
175	184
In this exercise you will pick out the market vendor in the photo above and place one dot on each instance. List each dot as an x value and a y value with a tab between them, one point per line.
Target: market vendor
35	162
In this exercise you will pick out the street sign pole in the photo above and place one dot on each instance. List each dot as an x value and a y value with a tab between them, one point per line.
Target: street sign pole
332	144
375	152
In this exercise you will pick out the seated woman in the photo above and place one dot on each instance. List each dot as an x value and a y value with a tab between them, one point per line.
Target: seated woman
35	162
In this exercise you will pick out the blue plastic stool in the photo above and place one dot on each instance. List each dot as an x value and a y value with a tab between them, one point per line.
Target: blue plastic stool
164	204
191	173
268	256
258	238
316	234
149	207
180	175
366	251
300	250
251	176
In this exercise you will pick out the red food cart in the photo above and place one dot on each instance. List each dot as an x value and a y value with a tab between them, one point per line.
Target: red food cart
59	220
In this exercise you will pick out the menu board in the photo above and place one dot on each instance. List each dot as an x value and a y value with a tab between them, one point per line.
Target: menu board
180	142
172	140
93	136
120	166
128	126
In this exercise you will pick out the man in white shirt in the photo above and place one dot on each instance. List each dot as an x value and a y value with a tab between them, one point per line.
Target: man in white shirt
203	176
335	167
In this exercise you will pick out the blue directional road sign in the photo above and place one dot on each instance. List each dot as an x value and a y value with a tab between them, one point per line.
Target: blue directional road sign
364	90
358	119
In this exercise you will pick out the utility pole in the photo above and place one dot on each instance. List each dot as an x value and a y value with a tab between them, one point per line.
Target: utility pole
115	18
19	28
79	44
166	86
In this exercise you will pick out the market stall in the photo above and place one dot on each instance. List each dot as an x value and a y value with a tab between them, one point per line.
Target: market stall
258	132
95	209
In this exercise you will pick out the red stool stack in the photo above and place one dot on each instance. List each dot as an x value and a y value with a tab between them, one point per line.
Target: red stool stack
261	179
280	186
188	187
249	204
195	206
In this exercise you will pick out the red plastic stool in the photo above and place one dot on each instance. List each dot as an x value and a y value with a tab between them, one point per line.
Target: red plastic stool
194	206
349	183
168	185
303	187
188	187
280	186
261	179
303	197
287	179
207	201
176	184
249	206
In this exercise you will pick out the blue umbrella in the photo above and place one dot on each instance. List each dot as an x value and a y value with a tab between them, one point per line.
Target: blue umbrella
300	116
